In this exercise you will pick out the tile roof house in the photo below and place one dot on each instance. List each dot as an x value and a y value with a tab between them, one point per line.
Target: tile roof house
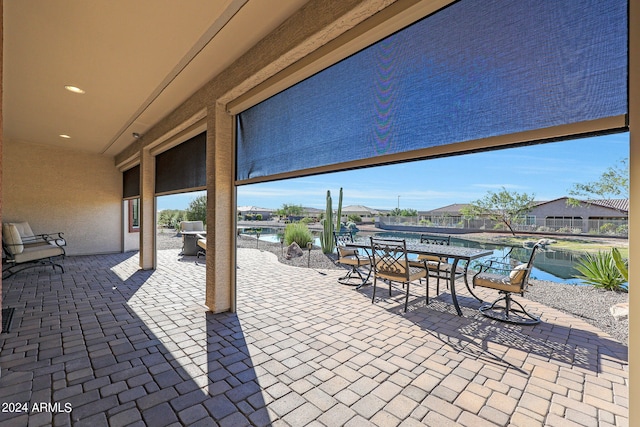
589	216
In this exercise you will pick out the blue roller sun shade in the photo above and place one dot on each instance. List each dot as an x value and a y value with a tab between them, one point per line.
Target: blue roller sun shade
476	69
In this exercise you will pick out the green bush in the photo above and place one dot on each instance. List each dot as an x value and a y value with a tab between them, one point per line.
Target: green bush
607	228
622	230
297	232
350	226
354	218
600	270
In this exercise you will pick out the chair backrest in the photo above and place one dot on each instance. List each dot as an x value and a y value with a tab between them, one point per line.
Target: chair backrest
342	239
433	240
520	274
191	226
390	260
11	240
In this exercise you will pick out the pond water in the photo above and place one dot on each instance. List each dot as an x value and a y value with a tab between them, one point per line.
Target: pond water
550	264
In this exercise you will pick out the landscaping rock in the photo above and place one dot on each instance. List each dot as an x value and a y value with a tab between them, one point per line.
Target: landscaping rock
294	251
620	311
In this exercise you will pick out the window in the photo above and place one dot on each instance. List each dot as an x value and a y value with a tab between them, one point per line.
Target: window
134	215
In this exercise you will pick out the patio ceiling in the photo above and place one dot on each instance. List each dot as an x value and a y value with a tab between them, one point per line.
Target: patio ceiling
136	62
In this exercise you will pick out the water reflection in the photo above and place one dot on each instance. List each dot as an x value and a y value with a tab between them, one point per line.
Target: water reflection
550	264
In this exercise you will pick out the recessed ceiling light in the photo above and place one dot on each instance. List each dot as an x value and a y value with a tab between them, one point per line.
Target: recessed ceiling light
74	89
65	136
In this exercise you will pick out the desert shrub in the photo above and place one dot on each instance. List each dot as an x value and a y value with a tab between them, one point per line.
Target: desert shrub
297	232
600	270
306	220
622	230
607	228
354	218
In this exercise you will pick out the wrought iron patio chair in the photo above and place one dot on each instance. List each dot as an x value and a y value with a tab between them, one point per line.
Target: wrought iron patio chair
202	245
391	263
507	280
352	258
439	267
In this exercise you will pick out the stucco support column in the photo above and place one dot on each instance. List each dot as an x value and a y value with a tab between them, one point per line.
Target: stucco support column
634	211
147	210
221	211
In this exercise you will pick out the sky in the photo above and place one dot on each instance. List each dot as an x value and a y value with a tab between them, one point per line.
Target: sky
547	171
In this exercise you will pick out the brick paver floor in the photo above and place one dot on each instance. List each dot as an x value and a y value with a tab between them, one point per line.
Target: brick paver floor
107	344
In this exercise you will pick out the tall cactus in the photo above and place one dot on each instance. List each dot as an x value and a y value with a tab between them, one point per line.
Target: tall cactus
339	213
326	238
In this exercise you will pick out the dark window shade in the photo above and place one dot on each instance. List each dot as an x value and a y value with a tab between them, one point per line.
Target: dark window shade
131	183
183	167
476	69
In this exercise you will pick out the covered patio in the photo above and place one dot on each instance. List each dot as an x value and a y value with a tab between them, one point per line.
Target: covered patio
128	337
115	345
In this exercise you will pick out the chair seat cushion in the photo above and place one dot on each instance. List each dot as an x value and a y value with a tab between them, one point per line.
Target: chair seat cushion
353	260
517	274
496	281
33	253
415	273
202	243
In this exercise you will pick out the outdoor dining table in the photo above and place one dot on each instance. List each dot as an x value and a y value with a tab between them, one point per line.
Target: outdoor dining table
455	253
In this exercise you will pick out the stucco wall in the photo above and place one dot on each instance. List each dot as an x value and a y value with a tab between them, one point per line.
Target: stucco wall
560	208
77	193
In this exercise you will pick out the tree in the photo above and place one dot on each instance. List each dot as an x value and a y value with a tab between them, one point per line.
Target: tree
171	217
290	210
504	206
197	210
613	182
409	212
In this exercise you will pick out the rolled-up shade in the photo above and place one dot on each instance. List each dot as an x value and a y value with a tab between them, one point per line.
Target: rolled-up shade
476	69
131	183
183	167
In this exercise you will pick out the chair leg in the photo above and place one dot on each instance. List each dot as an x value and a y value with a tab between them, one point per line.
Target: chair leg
345	280
373	297
406	298
364	281
503	313
427	290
